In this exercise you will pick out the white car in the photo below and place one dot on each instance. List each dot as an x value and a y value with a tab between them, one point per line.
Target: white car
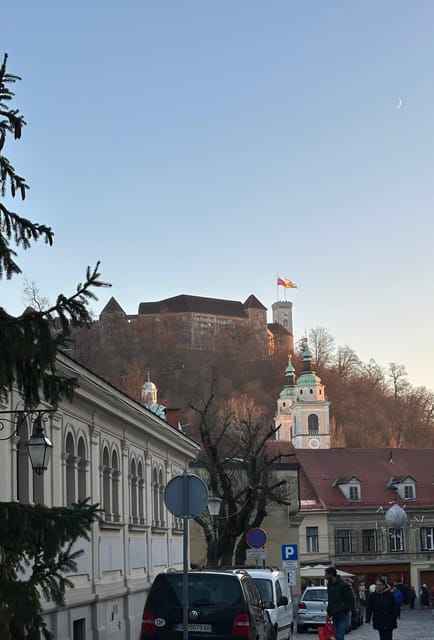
276	597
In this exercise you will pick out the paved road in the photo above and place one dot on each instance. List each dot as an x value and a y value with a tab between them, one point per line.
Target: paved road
416	624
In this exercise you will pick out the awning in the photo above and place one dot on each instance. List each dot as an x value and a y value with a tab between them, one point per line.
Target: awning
317	571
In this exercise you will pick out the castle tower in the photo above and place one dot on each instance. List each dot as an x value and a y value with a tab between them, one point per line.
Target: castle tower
282	314
310	410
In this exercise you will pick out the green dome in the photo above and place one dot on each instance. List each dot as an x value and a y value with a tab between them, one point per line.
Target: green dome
289	371
287	392
308	378
149	386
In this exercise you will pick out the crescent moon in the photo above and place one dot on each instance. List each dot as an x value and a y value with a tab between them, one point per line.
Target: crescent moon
399	103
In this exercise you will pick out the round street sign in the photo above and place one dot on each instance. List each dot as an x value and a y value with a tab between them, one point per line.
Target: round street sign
256	538
186	496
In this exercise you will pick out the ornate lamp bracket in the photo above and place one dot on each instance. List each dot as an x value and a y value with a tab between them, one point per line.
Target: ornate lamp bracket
17	417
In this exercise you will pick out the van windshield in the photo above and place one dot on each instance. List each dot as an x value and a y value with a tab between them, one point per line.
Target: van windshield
265	588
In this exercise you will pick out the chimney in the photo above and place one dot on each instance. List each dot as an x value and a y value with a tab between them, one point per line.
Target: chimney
172	418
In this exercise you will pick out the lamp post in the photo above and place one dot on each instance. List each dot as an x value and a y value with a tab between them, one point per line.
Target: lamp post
39	446
214	504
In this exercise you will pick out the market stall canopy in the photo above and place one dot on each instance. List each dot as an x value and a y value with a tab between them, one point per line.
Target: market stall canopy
317	571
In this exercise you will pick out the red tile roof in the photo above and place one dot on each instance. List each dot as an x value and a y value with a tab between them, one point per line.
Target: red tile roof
373	467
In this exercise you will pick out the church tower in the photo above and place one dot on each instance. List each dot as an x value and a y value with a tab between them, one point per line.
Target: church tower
302	409
283	419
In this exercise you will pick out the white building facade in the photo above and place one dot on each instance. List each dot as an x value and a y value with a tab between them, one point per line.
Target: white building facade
110	448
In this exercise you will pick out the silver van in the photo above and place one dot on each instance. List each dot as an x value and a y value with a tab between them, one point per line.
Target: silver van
276	597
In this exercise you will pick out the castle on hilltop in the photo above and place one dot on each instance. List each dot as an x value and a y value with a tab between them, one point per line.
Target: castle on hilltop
207	323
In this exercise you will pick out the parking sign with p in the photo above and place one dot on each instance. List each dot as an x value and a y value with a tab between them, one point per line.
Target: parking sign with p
289	552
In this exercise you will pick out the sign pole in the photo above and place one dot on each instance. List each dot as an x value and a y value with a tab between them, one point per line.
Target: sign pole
185	496
185	560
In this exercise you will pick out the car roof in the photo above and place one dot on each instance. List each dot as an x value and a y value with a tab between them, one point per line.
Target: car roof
206	572
264	573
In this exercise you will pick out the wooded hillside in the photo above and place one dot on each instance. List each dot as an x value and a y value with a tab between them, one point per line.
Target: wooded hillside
371	406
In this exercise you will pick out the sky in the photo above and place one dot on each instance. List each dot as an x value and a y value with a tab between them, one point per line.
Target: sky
204	147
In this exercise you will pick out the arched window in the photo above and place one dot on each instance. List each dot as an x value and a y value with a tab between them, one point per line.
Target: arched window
82	463
23	464
313	424
133	489
156	501
115	487
141	496
161	496
106	484
70	470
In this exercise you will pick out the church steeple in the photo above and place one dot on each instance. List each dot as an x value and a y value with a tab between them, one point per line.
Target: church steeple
283	419
302	409
310	414
307	357
290	373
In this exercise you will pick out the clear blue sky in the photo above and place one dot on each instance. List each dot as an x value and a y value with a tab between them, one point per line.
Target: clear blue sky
203	147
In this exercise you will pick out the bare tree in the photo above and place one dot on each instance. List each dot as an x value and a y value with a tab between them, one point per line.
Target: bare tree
399	385
374	374
347	362
237	467
322	345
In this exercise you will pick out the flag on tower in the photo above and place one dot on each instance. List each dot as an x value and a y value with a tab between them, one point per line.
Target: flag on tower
285	282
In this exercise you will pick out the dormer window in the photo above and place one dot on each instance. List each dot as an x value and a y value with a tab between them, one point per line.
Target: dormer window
405	487
408	492
350	487
354	493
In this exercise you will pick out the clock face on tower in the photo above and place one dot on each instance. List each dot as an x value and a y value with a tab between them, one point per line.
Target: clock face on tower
313	443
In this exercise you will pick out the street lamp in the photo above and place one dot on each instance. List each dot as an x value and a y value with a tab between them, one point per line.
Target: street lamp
214	504
38	446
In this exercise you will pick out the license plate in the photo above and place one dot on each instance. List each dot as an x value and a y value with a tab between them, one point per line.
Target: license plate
199	628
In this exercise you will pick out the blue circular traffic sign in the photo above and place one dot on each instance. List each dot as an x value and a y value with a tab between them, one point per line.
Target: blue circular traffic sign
256	538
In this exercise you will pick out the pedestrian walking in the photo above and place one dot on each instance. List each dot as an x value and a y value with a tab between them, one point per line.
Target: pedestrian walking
340	601
412	597
383	609
397	594
424	596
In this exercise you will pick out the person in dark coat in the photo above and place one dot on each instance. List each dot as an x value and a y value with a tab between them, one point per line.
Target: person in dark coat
383	609
424	596
412	597
340	602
